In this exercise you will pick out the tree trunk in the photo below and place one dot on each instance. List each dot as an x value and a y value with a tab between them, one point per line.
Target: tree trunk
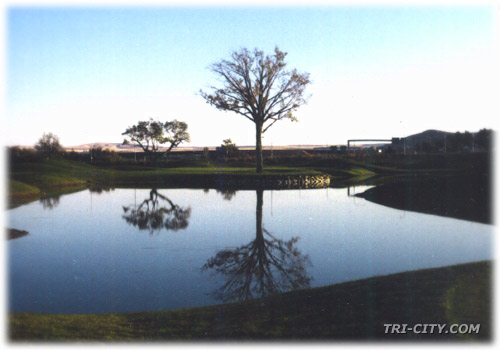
152	158
258	147
260	245
258	216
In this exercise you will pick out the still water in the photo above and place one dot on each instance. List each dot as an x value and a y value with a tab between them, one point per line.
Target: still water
144	250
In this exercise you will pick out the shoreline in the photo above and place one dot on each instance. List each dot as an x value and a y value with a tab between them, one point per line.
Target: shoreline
334	312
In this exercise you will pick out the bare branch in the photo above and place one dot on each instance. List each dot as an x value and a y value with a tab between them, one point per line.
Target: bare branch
257	86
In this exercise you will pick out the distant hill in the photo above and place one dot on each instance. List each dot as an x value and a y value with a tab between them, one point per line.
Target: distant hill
426	136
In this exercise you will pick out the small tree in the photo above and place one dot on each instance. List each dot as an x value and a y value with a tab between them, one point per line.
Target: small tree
149	135
259	88
176	133
228	147
48	145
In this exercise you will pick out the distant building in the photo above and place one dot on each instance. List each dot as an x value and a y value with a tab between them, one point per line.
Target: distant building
398	144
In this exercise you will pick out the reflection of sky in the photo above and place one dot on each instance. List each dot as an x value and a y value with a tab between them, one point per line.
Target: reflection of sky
381	71
82	256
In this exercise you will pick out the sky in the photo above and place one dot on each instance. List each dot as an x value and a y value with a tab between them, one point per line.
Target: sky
87	73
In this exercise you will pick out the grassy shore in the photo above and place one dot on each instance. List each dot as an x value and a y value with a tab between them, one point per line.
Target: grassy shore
30	181
348	311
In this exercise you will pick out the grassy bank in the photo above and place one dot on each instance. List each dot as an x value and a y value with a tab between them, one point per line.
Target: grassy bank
31	180
20	192
349	311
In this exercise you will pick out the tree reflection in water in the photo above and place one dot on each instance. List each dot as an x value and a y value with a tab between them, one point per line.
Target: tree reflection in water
100	189
265	266
50	202
227	194
152	216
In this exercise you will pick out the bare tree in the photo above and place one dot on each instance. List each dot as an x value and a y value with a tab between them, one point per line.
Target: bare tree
260	88
149	135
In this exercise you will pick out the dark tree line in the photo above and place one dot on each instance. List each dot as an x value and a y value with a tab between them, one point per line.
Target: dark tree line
481	141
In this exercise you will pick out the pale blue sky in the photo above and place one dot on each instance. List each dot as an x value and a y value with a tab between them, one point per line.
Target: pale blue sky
88	73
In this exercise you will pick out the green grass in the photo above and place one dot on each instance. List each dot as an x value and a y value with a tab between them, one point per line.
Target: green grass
208	171
20	188
55	173
354	310
469	299
51	174
371	165
360	172
29	181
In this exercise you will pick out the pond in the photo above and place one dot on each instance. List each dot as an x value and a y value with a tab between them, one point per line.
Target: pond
158	249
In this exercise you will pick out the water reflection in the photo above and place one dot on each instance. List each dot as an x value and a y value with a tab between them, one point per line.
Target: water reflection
461	197
156	213
227	194
50	202
100	189
13	233
265	266
67	265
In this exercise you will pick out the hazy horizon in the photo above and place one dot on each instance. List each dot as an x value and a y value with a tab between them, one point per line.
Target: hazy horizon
88	73
240	145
